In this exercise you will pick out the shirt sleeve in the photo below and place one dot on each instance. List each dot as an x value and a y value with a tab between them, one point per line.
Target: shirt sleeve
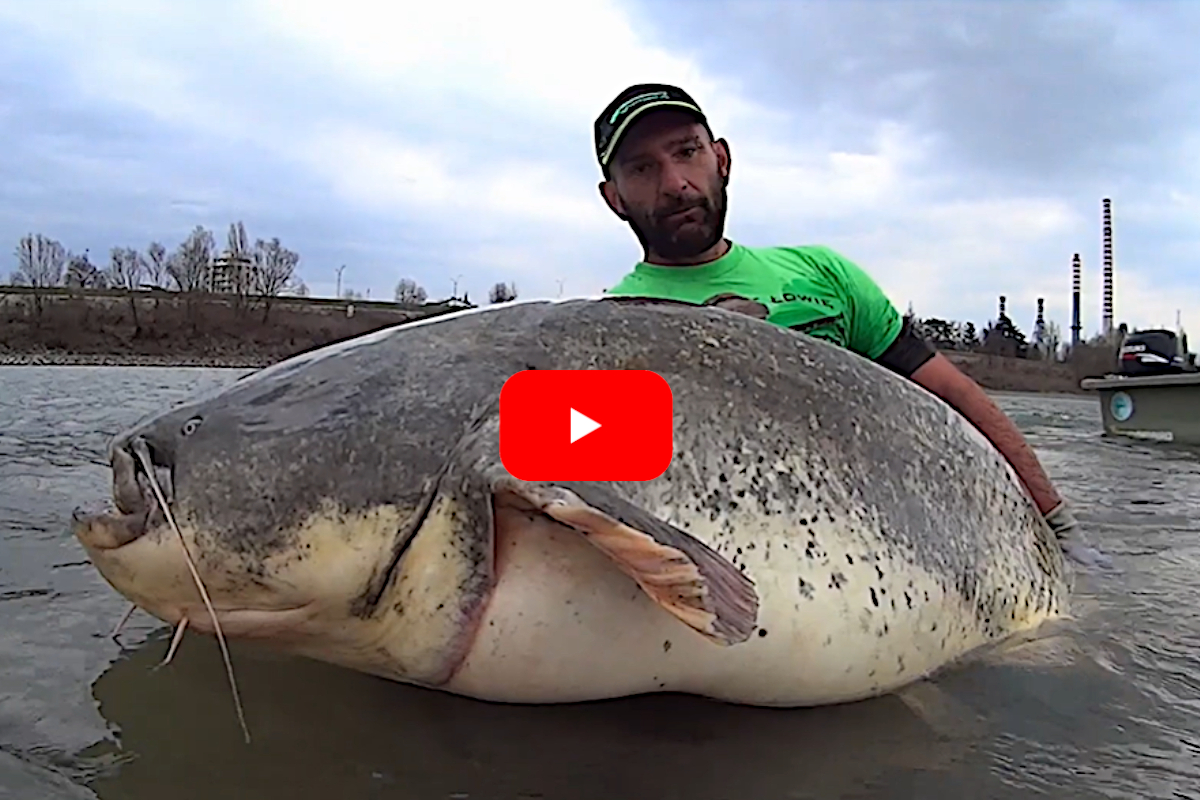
874	323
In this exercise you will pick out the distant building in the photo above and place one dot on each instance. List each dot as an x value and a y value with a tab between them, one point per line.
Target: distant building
231	274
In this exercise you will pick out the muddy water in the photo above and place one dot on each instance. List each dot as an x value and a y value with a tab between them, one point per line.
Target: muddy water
1113	710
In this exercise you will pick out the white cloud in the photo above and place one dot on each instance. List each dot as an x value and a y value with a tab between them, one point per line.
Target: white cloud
559	63
375	168
782	183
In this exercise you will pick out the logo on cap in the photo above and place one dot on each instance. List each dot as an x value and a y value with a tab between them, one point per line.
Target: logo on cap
637	101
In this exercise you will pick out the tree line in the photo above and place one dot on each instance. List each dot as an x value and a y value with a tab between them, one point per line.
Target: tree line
265	268
409	292
1001	336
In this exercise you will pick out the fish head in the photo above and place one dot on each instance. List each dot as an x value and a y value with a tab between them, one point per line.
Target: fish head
265	494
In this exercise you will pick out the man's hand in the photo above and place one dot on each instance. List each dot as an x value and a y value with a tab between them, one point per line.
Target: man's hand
1062	521
739	304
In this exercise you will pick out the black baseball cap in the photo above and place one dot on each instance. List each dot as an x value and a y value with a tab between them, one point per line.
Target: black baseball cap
630	104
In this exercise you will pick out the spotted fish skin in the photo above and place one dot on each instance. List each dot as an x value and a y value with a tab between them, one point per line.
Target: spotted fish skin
882	535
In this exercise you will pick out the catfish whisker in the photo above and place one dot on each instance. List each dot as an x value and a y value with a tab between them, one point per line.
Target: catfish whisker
143	454
175	640
128	613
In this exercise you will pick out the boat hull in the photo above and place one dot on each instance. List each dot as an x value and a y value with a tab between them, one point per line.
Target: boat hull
1155	407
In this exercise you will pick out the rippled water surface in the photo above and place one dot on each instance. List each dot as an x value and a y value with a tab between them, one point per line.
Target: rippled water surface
1109	708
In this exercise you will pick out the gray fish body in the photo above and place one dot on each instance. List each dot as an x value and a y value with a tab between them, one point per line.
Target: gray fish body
826	531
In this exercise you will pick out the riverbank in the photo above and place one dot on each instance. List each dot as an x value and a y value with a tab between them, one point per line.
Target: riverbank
61	327
63	359
995	373
180	329
1009	374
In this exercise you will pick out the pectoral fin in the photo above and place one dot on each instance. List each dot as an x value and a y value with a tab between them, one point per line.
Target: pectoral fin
679	572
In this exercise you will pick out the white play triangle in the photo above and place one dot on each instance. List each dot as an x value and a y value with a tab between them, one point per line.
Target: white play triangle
581	425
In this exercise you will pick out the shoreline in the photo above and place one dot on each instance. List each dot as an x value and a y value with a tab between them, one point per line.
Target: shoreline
213	331
992	376
61	359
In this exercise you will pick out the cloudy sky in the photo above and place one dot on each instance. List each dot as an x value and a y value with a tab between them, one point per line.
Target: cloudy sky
957	150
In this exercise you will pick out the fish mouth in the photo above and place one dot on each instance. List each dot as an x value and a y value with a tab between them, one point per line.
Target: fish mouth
132	459
142	484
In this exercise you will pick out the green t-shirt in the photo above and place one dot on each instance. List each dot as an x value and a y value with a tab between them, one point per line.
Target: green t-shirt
811	289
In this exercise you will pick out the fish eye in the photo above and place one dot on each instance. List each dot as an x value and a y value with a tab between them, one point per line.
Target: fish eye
191	426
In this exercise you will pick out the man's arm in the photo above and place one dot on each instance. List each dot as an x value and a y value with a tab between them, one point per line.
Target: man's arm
877	326
881	334
912	357
940	376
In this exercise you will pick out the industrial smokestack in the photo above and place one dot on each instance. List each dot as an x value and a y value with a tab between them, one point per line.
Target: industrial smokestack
1107	311
1039	326
1076	290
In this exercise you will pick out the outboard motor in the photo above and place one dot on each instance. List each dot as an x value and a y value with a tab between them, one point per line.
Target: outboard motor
1153	352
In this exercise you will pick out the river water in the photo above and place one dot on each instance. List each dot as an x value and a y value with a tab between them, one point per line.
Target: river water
1111	710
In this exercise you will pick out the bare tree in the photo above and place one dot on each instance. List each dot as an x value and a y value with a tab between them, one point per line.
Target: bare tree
1051	340
83	274
40	261
156	264
239	243
189	266
242	260
502	293
410	293
274	267
274	270
126	269
40	265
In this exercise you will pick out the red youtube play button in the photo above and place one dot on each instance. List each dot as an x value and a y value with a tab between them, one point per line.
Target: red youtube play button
586	425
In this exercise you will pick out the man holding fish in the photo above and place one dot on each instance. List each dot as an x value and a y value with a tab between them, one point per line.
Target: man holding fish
667	176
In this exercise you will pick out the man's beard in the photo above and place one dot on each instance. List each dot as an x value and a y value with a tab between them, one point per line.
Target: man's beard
662	238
